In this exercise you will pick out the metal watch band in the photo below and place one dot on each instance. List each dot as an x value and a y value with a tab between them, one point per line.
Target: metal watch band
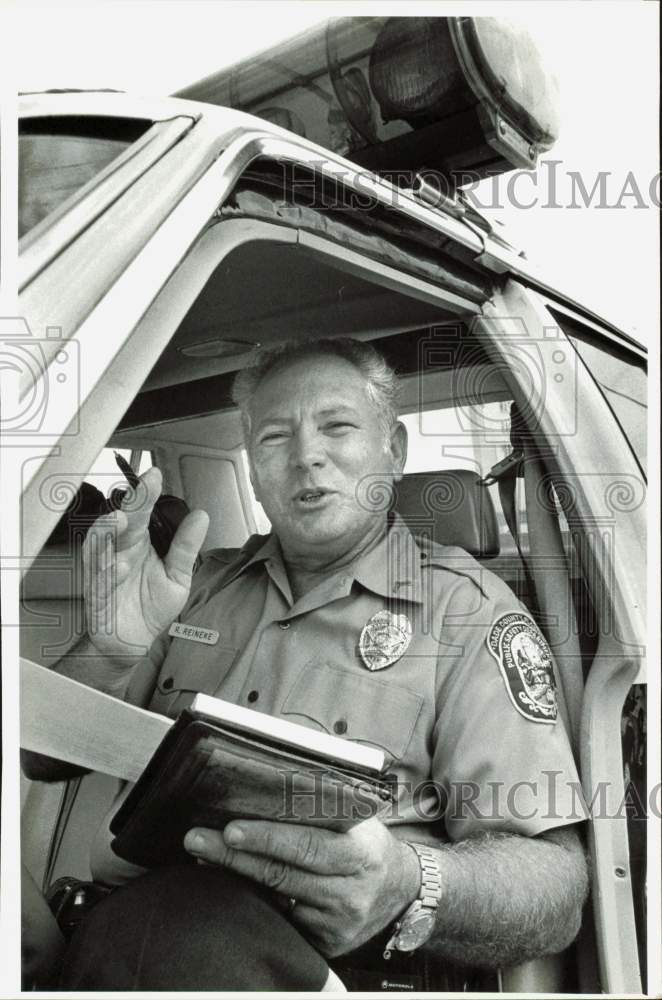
409	932
430	892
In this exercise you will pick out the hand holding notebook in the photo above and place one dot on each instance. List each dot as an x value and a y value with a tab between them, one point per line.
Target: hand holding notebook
217	762
221	762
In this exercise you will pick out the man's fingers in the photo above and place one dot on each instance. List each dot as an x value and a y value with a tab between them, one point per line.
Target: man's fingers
185	546
149	488
99	547
319	909
209	846
98	552
138	505
309	848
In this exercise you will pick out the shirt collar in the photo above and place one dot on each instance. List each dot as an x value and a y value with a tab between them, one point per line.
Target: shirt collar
392	569
267	551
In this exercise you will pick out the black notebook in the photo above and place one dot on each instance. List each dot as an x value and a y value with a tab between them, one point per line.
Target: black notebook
220	761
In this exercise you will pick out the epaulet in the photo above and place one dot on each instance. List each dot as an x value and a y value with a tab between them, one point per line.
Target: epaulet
214	566
457	561
235	557
229	556
226	561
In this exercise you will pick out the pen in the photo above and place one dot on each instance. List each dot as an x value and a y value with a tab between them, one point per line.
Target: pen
129	474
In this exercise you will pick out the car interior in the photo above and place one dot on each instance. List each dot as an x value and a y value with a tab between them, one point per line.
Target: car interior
169	240
458	408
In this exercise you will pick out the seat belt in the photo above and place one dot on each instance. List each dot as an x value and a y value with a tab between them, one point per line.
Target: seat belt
506	473
555	596
544	542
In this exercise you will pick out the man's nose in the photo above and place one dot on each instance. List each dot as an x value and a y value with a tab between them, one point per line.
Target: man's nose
308	449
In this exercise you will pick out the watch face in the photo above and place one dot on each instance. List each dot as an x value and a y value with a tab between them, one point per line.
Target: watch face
417	926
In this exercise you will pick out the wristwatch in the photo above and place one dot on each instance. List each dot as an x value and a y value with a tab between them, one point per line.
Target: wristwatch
417	922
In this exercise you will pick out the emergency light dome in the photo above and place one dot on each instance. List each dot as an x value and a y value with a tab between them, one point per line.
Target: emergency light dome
401	94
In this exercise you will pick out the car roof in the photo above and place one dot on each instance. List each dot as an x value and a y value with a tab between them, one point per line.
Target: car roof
227	124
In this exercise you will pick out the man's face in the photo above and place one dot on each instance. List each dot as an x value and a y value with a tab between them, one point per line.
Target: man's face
315	438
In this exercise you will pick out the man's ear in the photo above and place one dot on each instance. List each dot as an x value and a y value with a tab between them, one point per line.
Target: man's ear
399	449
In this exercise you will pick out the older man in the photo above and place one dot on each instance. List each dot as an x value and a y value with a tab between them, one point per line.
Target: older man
301	617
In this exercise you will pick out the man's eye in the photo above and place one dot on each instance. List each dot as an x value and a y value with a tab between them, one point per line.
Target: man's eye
339	427
273	437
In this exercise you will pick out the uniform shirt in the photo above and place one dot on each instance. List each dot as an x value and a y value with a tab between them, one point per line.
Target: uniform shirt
471	752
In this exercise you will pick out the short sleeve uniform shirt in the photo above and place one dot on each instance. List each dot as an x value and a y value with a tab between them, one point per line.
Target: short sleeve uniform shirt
415	649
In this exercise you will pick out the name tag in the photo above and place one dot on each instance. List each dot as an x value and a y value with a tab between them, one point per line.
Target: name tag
182	631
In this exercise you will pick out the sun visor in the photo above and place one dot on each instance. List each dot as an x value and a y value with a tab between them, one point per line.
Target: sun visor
400	95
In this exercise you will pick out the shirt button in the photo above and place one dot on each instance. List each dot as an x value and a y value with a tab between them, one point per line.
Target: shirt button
284	625
253	696
168	683
340	727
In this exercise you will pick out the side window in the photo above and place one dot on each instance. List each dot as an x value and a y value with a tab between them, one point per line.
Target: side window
57	157
622	378
261	520
475	438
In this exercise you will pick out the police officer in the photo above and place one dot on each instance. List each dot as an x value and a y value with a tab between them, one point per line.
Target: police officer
341	621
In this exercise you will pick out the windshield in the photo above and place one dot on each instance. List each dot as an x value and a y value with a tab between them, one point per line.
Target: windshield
57	157
622	378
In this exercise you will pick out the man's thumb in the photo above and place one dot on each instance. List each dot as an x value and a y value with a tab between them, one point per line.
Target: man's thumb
186	545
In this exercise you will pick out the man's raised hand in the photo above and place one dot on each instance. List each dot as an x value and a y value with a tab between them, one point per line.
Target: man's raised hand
131	595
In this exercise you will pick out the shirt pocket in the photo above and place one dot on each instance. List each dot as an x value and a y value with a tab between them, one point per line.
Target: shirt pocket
364	709
190	668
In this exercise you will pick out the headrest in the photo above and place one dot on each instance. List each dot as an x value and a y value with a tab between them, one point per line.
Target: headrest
450	507
86	505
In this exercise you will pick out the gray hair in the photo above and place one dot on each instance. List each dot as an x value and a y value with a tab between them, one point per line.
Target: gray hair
381	381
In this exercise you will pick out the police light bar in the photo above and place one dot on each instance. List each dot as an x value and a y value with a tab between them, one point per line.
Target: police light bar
457	95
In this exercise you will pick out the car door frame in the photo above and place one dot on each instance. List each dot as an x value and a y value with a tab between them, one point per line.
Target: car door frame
144	307
135	298
615	582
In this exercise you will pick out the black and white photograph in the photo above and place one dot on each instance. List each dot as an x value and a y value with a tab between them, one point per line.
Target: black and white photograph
329	564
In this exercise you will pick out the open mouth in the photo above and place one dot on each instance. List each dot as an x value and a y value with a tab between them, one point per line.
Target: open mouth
310	497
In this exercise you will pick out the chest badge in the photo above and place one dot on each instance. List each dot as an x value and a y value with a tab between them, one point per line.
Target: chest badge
384	639
194	633
525	661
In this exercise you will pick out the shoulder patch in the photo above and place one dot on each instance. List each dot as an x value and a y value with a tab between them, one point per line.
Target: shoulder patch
525	661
